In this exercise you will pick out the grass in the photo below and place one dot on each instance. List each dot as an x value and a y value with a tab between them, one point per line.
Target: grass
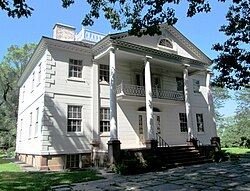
8	166
38	181
241	152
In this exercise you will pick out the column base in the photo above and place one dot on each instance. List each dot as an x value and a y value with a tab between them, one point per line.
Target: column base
114	151
151	144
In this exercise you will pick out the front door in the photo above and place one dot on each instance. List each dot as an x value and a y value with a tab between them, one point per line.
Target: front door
142	122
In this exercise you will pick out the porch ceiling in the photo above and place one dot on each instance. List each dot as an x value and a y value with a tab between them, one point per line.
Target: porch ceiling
164	64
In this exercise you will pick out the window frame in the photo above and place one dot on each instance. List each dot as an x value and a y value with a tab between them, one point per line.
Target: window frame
200	123
171	47
72	159
33	81
179	84
106	121
183	122
39	73
31	124
104	73
196	86
79	65
74	119
36	122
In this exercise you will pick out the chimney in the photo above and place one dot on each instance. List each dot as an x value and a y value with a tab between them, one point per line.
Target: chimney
64	32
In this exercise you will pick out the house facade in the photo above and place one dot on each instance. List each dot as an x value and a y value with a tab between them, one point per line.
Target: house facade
81	91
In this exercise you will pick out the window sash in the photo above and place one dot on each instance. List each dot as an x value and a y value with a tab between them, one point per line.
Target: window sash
183	122
104	120
104	72
75	68
72	161
200	122
74	119
196	86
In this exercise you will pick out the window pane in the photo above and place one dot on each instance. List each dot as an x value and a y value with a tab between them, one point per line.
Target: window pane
75	68
104	120
74	118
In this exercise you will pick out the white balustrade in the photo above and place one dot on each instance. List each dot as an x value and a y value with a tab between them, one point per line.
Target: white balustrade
134	90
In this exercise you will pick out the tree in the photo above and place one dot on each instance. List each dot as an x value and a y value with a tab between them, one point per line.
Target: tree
236	129
145	17
11	69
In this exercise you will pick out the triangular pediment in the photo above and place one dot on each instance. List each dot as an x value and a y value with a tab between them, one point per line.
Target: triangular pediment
171	41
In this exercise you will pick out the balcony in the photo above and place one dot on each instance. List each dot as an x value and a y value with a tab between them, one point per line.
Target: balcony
139	91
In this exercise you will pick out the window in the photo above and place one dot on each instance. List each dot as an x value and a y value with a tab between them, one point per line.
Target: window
74	119
183	122
39	73
23	93
36	124
33	81
180	84
30	127
140	79
156	82
104	120
200	123
166	43
196	86
72	161
140	125
158	124
104	73
21	129
75	68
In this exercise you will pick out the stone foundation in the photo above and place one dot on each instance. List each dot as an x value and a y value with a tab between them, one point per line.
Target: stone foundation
52	162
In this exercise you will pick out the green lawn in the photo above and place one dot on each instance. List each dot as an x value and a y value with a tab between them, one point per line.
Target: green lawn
241	152
8	166
10	180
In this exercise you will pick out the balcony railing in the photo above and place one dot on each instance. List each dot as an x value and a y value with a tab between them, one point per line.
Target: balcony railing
139	91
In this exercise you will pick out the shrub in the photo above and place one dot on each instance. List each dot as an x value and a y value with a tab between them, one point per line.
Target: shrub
221	156
130	165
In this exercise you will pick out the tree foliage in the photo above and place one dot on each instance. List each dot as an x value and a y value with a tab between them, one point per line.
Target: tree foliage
235	131
233	62
11	68
16	8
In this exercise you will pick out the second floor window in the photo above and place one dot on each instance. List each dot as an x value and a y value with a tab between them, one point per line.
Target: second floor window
180	84
196	86
104	73
75	68
74	118
33	80
39	73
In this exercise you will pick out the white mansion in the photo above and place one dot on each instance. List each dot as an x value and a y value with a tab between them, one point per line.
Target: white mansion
81	91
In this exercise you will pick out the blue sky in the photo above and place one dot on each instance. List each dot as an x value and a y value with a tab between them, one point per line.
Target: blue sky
201	29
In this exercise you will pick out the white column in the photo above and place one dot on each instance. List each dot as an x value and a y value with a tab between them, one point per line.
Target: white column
95	101
113	107
187	101
149	103
210	105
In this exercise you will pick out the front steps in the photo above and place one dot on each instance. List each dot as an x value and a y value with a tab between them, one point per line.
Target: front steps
174	156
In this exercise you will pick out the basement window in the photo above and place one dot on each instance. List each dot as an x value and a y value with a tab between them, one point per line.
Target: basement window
72	161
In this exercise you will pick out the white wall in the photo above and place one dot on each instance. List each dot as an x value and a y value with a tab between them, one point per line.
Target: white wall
31	98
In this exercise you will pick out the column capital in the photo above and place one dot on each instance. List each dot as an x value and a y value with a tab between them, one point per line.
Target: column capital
147	58
185	65
209	71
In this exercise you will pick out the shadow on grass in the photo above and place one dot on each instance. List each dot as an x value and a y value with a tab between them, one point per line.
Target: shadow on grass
4	161
244	155
38	181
